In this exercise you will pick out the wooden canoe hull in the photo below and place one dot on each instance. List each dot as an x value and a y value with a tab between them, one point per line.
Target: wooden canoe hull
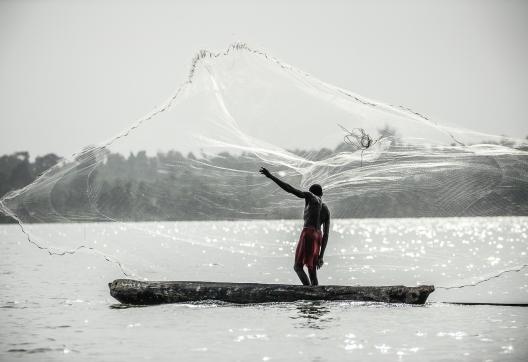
137	292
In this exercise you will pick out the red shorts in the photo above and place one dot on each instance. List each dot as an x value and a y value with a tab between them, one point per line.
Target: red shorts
307	252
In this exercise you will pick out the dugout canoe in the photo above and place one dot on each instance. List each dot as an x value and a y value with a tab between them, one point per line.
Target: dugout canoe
137	292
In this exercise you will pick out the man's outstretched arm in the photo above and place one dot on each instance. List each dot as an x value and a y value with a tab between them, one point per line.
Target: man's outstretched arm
283	185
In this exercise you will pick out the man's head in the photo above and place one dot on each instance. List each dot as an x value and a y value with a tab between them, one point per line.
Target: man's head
316	189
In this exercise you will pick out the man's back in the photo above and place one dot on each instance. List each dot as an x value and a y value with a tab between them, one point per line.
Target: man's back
312	210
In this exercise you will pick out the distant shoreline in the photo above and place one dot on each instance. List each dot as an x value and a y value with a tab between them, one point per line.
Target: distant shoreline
176	187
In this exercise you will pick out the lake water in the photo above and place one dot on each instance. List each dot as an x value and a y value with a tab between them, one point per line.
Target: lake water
59	308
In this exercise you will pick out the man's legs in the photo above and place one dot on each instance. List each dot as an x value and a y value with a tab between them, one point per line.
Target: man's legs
312	272
302	275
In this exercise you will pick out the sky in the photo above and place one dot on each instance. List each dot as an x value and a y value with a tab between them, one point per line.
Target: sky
74	73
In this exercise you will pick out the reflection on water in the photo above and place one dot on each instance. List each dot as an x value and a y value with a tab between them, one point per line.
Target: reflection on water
444	252
312	314
126	306
48	311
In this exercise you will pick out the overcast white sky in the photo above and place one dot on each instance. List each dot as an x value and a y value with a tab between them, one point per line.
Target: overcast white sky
78	72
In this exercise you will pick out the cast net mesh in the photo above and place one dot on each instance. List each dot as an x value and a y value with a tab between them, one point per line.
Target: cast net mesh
195	159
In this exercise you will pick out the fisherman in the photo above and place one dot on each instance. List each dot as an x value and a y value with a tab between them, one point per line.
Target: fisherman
312	244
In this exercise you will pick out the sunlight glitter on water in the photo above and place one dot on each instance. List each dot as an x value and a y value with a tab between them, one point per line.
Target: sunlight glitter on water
306	330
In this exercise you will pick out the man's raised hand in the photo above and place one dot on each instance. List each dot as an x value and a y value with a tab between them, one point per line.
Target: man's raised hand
264	171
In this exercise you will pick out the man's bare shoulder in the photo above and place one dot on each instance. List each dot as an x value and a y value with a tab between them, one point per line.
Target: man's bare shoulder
311	197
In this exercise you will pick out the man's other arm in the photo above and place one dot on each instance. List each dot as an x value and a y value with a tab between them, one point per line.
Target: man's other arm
324	241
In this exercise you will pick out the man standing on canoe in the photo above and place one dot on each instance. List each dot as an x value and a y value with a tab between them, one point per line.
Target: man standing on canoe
312	243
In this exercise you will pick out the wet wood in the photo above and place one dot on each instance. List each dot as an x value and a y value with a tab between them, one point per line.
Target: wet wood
145	292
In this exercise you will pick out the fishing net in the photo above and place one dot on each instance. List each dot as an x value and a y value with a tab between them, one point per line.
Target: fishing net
151	199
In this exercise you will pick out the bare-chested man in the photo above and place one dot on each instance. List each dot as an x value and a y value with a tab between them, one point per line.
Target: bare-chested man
311	247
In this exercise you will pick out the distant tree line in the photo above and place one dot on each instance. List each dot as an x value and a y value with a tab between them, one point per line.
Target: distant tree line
17	171
169	186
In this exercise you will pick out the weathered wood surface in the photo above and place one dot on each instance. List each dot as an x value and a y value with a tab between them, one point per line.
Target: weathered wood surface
141	292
